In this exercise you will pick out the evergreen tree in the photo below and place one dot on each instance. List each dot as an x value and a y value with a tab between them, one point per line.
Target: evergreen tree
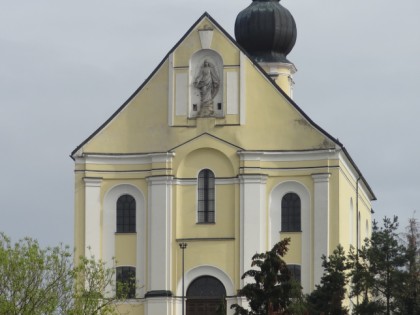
408	297
271	291
377	271
328	296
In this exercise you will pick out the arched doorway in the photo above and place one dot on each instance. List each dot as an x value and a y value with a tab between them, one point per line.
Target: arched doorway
206	296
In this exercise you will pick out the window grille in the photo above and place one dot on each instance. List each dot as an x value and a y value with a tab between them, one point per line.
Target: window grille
126	282
206	196
126	214
290	213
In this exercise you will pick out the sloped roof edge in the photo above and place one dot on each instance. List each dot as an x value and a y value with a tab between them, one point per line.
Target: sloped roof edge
207	15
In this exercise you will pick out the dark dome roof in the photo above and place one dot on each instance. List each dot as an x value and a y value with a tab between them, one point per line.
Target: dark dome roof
266	30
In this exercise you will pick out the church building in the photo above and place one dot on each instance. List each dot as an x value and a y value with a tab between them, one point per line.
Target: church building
211	161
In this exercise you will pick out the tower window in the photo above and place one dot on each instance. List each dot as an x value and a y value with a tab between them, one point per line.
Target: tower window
126	214
290	213
126	282
206	196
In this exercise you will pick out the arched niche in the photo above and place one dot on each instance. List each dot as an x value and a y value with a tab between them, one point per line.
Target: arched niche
206	84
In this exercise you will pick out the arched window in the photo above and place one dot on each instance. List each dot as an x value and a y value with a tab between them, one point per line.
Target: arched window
126	214
126	282
206	196
205	295
294	272
290	213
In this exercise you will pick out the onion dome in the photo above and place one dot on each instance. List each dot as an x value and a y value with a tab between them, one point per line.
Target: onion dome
266	30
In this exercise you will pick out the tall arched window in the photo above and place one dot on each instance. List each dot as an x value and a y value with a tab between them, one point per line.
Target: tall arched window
126	282
126	214
205	196
290	213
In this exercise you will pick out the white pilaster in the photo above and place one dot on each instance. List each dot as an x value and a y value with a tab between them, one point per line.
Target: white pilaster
93	216
159	305
253	218
159	249
321	222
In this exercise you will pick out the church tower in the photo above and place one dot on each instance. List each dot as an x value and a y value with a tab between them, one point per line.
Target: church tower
210	161
267	31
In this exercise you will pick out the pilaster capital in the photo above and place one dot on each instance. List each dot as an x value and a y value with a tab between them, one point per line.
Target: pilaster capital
160	180
92	181
253	178
321	178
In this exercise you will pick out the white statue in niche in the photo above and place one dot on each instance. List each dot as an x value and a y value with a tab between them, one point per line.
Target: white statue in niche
208	82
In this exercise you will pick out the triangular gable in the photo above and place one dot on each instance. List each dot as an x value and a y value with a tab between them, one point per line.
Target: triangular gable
233	41
305	119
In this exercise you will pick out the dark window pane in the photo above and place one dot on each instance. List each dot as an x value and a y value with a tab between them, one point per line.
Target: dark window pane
126	282
295	272
206	196
126	214
290	213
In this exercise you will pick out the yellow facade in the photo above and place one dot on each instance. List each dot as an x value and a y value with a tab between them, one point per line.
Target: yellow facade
262	147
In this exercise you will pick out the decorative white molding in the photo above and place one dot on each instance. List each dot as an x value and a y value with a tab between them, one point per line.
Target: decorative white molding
288	156
242	89
205	270
275	200
181	94
206	37
160	227
321	222
232	91
125	159
253	219
93	216
171	89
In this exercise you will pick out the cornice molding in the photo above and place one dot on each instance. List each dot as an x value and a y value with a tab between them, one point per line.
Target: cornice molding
125	159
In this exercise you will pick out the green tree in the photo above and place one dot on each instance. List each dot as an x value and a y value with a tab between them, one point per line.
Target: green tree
34	280
271	291
377	270
408	297
328	296
38	281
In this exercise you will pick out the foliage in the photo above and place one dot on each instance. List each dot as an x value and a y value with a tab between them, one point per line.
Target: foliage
328	296
377	270
45	281
33	280
271	290
408	297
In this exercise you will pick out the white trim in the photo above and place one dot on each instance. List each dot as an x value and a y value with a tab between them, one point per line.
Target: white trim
232	93
160	232
92	216
288	156
321	222
275	199
109	228
126	159
242	90
253	219
181	94
171	90
206	37
193	181
206	270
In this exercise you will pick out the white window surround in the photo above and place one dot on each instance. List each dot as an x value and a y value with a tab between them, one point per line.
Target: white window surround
206	270
110	224
275	199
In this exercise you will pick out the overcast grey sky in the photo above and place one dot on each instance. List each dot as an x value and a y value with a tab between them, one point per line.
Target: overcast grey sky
66	66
